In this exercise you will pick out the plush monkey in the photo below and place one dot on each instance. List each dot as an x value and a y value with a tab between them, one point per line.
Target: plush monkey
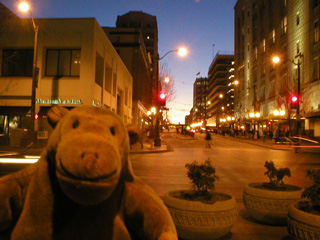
82	187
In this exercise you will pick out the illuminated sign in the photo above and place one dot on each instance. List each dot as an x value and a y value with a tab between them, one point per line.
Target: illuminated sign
60	101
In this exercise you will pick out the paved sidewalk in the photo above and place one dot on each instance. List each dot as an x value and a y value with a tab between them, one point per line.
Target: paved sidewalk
7	151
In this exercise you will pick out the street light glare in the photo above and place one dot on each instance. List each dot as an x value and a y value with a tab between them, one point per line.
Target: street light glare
182	52
276	59
166	80
24	7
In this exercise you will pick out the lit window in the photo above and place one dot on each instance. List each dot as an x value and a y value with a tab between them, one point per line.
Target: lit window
284	25
273	35
298	18
264	45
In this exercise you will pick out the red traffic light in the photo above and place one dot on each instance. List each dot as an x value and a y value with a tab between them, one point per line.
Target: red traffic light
162	96
294	99
269	123
36	116
162	99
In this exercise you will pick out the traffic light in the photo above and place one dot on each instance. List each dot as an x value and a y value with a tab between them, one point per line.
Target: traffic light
36	116
269	123
162	99
294	102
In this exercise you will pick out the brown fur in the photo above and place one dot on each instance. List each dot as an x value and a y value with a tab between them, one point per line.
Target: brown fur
82	187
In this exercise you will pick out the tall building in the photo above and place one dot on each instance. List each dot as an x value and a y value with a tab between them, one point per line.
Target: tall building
290	30
199	100
149	29
77	66
130	46
220	93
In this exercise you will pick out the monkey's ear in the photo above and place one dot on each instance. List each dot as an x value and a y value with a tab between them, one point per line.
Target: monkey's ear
134	133
55	114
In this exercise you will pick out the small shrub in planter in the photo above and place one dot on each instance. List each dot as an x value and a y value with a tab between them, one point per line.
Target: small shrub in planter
201	213
312	193
202	177
304	216
268	202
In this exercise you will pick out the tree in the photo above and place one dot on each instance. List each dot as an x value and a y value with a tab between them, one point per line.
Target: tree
167	87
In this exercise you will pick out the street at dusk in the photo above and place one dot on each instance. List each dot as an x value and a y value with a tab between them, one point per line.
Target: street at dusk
214	104
238	162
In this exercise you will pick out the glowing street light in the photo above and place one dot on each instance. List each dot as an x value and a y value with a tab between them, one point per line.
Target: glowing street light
24	7
153	110
276	59
166	80
157	141
182	51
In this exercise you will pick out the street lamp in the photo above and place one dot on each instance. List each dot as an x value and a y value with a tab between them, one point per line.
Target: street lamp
276	59
157	141
24	7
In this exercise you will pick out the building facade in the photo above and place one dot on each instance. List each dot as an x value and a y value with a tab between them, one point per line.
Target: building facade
130	46
220	109
199	109
149	29
77	65
291	33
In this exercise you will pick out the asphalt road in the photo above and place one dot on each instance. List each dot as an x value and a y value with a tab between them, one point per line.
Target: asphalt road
237	163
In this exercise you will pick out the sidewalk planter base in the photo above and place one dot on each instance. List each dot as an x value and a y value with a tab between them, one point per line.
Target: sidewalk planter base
269	206
196	220
303	225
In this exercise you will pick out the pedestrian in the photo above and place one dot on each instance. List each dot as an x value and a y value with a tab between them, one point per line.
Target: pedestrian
208	140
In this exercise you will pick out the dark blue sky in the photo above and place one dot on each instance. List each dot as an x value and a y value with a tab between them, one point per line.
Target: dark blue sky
195	24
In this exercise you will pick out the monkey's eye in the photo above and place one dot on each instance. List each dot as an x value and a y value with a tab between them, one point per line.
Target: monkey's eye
75	124
113	130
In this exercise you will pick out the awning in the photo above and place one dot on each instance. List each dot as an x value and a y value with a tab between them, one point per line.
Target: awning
314	114
14	111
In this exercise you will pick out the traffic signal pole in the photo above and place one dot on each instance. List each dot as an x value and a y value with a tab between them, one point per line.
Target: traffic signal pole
298	103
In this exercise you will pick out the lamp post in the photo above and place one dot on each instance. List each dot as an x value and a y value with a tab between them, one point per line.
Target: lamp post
276	59
157	140
24	7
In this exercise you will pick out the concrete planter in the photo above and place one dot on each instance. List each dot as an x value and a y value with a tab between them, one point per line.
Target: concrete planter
303	225
196	220
269	206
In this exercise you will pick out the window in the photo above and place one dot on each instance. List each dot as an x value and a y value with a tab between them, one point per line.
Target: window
99	70
298	47
108	78
298	18
264	45
316	31
256	53
114	84
126	96
273	36
284	25
284	3
315	74
63	62
17	62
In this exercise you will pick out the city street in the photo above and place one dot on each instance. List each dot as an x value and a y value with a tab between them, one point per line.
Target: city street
237	161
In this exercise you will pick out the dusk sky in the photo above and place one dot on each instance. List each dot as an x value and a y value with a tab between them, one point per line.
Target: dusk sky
195	24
